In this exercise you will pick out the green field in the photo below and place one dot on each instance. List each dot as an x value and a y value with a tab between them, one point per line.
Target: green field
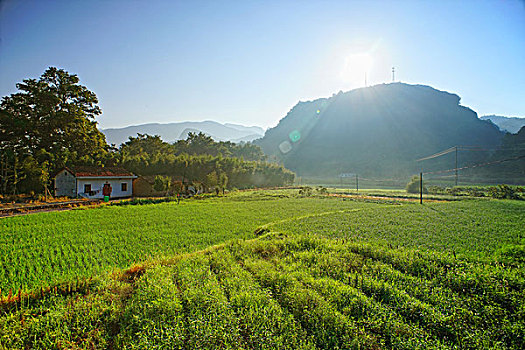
48	248
267	270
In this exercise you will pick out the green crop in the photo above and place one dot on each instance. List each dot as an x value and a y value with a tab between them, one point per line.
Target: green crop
44	249
323	273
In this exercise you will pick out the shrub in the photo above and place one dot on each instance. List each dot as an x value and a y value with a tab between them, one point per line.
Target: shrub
322	190
162	183
413	185
453	191
305	191
436	190
503	192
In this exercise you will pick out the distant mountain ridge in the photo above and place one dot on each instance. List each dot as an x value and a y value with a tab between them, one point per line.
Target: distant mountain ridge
377	131
172	132
509	124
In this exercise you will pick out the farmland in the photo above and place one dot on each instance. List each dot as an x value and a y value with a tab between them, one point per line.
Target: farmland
49	248
266	270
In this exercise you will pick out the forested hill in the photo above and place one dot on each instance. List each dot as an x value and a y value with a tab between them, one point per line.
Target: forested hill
376	131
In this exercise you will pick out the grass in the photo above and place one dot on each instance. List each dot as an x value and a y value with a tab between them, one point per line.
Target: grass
323	273
49	248
475	229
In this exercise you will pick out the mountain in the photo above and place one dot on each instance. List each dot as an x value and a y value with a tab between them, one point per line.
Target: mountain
510	124
250	129
377	131
175	131
248	138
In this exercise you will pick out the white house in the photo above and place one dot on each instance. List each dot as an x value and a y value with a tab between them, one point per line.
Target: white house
88	182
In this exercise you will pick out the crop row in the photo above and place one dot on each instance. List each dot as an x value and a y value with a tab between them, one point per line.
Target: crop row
280	292
44	249
470	229
443	310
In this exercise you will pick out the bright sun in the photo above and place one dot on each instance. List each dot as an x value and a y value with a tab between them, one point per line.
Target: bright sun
356	67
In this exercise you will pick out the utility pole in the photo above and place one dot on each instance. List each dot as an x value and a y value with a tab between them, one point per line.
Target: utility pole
393	74
365	81
456	168
420	188
356	183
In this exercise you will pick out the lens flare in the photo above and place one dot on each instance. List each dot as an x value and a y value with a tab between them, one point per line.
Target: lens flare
295	136
285	147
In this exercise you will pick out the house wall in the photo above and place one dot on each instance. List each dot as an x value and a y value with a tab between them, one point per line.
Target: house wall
65	184
98	183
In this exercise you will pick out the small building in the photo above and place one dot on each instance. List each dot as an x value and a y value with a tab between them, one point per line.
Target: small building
143	186
89	181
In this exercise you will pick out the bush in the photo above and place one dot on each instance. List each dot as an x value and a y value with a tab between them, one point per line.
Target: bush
322	190
413	185
162	183
504	192
305	191
436	190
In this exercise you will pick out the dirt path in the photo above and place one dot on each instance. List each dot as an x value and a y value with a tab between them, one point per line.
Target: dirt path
16	210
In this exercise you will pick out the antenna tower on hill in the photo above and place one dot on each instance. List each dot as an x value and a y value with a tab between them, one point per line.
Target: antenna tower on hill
393	74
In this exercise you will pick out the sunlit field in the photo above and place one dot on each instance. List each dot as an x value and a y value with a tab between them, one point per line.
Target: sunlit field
268	270
47	248
262	175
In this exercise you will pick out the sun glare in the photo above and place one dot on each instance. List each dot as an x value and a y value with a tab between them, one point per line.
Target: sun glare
356	68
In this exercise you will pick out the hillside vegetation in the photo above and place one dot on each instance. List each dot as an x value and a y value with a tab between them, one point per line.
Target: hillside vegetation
286	271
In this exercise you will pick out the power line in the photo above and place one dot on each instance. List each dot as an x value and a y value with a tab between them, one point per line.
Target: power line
444	177
490	149
439	154
470	149
475	165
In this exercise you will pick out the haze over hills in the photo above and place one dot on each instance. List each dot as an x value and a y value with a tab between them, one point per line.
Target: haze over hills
510	124
377	131
175	131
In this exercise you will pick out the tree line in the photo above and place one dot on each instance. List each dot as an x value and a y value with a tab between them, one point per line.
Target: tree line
199	159
50	123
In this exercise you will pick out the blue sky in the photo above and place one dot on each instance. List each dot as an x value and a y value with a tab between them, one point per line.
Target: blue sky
250	62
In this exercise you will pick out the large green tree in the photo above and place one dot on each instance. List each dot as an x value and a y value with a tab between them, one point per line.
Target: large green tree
199	144
48	124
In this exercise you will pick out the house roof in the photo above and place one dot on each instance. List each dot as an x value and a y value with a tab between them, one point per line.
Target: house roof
93	171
